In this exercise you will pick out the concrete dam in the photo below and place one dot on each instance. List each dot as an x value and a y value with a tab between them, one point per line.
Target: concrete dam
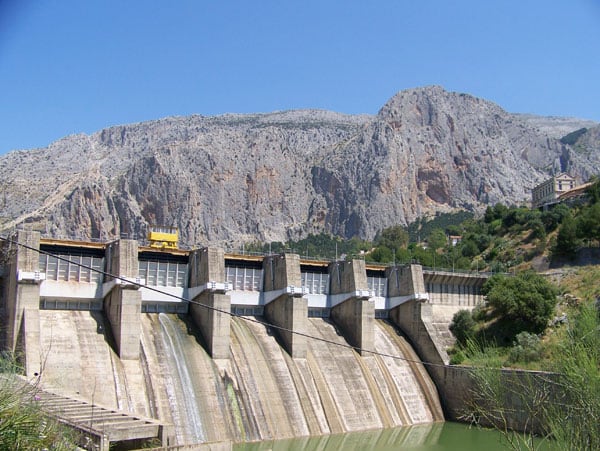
173	335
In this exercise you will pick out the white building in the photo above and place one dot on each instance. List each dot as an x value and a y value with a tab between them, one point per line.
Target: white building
548	191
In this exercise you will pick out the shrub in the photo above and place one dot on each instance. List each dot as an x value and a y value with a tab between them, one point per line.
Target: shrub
457	357
567	241
527	299
527	348
462	326
23	424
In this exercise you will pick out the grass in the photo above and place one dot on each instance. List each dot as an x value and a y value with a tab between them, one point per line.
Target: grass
23	423
492	348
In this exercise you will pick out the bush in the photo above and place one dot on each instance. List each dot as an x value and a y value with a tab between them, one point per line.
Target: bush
479	313
457	357
527	348
553	217
462	326
527	299
469	249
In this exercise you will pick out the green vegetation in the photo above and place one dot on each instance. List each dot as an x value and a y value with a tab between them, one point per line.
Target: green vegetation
527	300
23	424
424	227
504	239
321	246
565	401
463	327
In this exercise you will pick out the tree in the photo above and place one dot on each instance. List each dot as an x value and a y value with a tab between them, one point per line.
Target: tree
498	211
437	239
463	326
553	217
594	190
394	238
469	249
526	299
382	254
567	241
588	223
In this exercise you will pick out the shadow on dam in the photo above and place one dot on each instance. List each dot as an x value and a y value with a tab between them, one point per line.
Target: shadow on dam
260	393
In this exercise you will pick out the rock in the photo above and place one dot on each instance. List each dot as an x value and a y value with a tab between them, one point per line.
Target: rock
273	177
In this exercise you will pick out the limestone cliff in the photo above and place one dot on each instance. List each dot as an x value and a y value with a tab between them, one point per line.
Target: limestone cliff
271	177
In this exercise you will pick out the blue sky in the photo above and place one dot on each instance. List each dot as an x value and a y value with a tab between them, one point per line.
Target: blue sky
79	66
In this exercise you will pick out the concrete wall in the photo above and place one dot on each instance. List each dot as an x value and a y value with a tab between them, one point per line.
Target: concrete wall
22	300
347	276
518	409
355	315
210	309
288	311
123	303
415	318
447	288
405	280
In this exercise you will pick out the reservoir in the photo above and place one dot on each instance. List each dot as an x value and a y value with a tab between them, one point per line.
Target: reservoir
429	437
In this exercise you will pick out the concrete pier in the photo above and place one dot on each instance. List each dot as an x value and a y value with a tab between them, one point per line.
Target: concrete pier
351	308
210	305
22	301
123	301
284	305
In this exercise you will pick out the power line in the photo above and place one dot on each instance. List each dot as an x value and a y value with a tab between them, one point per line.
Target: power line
245	318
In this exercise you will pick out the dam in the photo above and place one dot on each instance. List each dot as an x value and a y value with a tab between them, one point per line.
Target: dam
223	347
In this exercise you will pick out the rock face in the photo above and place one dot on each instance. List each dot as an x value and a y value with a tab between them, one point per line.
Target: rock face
271	177
588	143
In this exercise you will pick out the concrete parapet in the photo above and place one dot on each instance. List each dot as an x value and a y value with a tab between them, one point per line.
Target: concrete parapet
281	271
287	309
123	303
210	308
206	265
353	312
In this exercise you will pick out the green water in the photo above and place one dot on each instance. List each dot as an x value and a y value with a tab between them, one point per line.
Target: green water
431	437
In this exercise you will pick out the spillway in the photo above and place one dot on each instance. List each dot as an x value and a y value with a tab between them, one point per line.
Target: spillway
260	393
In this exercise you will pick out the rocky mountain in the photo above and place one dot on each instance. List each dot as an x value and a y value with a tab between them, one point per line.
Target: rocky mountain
586	142
553	126
271	177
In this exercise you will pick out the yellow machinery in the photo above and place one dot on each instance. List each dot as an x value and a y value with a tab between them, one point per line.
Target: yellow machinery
163	237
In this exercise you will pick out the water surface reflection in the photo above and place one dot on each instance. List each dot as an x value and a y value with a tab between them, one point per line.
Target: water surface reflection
428	437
